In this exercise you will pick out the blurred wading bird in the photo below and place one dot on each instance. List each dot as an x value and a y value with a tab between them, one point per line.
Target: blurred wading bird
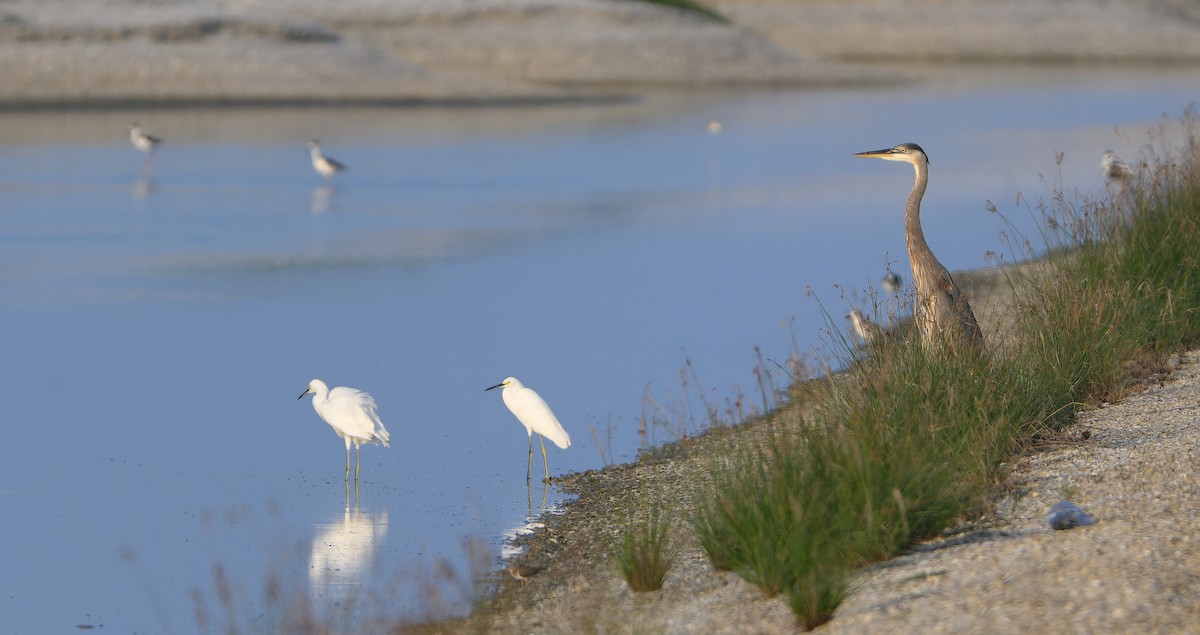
942	312
865	328
892	282
523	572
533	413
143	141
351	414
1116	172
326	166
1114	168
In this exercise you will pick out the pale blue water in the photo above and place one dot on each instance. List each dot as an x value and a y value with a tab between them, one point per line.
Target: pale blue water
158	331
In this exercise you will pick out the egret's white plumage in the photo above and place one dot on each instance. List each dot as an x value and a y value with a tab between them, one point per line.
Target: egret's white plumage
351	414
326	166
533	413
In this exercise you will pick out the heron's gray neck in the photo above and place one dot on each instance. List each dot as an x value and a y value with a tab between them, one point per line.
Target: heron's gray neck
919	254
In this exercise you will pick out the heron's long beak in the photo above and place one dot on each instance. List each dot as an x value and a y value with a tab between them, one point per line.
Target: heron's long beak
876	154
306	391
499	385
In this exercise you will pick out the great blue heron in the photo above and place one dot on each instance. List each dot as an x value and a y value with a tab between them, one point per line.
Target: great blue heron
942	312
865	328
326	166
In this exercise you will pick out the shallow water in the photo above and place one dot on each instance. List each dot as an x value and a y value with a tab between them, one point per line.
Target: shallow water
160	327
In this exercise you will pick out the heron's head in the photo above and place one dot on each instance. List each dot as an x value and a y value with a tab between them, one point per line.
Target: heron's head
314	387
313	145
511	381
906	152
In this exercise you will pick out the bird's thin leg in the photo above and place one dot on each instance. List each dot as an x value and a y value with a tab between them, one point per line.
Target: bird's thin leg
529	464
357	462
347	461
545	462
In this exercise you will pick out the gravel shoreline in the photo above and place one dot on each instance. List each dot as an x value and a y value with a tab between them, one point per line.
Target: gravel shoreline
1130	465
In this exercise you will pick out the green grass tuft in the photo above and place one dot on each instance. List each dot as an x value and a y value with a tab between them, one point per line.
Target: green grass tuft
645	552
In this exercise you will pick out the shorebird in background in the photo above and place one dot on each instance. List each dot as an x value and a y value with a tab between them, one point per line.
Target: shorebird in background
892	282
1116	172
523	572
145	142
869	331
326	166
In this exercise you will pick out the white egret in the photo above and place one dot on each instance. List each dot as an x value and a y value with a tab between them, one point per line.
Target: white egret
326	166
533	413
351	414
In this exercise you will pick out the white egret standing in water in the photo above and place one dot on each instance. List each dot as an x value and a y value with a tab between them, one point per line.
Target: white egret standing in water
533	413
351	413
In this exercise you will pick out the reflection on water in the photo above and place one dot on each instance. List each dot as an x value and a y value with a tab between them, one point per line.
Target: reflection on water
320	198
143	187
529	493
342	552
510	545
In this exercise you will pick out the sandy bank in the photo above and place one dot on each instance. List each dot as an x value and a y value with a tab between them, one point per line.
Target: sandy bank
113	52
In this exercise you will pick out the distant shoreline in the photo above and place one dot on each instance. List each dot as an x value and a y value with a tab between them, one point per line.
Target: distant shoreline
111	54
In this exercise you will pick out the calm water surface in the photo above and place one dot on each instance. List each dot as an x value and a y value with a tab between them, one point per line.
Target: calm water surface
158	329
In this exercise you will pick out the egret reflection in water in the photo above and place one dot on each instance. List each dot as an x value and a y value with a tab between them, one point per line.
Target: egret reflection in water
342	554
529	493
